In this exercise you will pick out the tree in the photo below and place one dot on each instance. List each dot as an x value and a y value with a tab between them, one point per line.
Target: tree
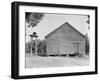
88	21
87	36
41	47
87	44
33	18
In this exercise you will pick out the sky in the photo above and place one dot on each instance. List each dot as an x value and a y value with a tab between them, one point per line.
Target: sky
52	21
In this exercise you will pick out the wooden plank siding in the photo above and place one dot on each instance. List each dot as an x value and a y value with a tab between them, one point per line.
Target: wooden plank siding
65	40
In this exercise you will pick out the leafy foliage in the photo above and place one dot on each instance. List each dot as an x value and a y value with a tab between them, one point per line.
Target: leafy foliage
33	18
41	47
87	44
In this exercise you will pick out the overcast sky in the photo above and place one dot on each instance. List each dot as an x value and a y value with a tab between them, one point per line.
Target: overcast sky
52	21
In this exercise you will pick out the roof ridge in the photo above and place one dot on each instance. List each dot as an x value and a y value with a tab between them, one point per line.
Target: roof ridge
61	26
55	30
75	29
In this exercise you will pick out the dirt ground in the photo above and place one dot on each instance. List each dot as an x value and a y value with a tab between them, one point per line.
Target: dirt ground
38	62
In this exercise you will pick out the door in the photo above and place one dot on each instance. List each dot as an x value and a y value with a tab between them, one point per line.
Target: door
76	47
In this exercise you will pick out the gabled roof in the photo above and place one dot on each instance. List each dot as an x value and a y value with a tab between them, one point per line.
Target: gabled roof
62	26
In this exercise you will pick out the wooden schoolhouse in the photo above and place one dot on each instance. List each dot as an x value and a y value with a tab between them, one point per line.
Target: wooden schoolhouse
65	40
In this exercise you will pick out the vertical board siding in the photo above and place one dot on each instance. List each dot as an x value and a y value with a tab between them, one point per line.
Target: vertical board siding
63	41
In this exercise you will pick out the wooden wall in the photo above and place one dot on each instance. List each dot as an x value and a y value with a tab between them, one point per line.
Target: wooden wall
63	40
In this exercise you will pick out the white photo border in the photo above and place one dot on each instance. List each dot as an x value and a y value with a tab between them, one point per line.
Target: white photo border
38	71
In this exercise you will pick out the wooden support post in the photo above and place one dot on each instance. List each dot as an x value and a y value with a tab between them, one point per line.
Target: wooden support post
36	46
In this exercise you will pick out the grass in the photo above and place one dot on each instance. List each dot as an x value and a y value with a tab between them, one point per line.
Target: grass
38	61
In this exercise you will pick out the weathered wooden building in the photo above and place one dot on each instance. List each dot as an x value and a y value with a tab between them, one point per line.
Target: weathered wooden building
65	40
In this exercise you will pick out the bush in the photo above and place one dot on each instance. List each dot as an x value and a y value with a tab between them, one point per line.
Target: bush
41	47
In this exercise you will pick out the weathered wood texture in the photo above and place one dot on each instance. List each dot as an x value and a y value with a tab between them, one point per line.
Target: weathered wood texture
65	40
